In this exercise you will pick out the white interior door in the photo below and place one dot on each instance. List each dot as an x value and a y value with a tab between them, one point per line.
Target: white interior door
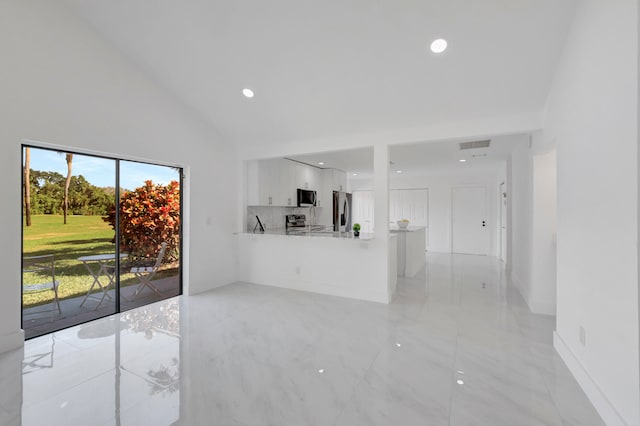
362	204
469	221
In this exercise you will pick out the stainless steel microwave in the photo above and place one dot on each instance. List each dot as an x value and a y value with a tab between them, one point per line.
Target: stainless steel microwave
307	198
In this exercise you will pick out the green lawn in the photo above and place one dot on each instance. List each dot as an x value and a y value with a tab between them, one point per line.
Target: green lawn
81	236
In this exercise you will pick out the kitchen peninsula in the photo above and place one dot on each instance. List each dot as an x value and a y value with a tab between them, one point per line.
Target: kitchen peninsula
303	240
329	263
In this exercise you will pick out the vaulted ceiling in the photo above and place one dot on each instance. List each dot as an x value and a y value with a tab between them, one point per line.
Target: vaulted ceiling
335	67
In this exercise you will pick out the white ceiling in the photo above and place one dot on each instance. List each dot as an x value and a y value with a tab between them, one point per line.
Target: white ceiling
359	161
421	159
443	158
330	68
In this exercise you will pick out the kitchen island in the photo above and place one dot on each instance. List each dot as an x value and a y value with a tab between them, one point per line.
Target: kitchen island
321	262
412	246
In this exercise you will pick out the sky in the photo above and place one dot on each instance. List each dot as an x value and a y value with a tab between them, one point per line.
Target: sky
101	172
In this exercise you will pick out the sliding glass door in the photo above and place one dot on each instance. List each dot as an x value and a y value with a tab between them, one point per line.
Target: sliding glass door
100	235
150	233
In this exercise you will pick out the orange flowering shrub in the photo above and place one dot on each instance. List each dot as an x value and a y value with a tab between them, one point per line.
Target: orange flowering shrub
149	216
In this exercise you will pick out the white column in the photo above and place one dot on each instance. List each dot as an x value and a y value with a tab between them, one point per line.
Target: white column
381	191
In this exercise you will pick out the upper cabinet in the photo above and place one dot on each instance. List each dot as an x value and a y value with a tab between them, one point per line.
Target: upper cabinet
325	188
275	182
339	180
271	183
307	177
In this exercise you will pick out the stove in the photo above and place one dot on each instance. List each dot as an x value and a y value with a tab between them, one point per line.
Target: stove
295	221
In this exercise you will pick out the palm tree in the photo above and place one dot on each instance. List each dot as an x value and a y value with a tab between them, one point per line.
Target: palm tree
69	158
27	184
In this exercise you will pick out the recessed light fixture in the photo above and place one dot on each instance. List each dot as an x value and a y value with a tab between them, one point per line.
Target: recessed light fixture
460	382
462	160
355	174
320	163
321	371
439	45
398	171
248	93
398	344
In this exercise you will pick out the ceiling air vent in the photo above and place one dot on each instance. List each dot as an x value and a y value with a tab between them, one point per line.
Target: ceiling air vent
475	144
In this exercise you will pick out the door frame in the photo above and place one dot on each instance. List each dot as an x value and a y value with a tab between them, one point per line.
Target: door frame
184	203
502	200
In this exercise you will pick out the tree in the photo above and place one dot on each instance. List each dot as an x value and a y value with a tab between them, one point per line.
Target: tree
27	185
69	158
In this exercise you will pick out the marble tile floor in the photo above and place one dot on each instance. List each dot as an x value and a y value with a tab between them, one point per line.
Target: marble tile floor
39	320
458	346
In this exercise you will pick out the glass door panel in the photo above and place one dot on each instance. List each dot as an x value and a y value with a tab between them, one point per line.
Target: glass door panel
68	249
150	233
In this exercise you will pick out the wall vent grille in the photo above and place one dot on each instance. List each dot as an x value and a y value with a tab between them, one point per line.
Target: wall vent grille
475	144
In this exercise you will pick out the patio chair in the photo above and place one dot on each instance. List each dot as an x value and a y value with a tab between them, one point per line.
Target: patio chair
146	273
42	266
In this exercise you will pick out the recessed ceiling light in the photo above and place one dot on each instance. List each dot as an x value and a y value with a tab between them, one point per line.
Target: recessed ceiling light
439	45
460	382
462	160
398	344
398	171
248	93
321	371
320	163
355	174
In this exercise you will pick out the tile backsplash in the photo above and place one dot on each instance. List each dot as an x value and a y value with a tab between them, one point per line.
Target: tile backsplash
273	217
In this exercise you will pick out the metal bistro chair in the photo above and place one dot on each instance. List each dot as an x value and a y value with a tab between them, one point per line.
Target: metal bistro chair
146	273
42	266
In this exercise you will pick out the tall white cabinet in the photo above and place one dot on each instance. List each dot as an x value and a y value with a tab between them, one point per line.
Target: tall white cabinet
412	204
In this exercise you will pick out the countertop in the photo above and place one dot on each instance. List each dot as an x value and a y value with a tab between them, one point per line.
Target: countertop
409	229
304	233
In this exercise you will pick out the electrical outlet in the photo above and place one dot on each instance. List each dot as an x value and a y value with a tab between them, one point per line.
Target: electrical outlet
583	336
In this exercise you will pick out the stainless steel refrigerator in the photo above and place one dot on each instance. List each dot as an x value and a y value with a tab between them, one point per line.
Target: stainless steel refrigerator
341	211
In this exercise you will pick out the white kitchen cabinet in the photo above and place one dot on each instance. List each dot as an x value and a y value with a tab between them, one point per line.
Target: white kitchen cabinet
307	177
325	188
411	204
314	178
339	180
271	183
286	191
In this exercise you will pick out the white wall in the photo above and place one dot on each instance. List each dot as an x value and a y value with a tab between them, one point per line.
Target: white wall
520	199
592	113
440	187
62	85
532	200
544	225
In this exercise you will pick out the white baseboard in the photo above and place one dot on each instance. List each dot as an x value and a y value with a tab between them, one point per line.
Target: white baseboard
11	341
603	406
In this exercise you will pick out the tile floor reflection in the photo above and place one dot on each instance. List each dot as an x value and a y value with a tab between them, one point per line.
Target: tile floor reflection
458	346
